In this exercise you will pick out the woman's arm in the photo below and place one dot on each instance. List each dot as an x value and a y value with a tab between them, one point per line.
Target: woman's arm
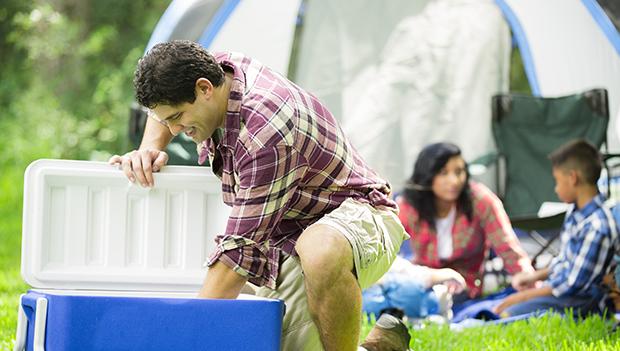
499	233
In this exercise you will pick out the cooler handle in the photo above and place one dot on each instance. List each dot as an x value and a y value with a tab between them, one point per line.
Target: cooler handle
40	319
22	327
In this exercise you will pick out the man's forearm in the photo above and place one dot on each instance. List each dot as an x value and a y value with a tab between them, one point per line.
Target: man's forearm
222	283
156	136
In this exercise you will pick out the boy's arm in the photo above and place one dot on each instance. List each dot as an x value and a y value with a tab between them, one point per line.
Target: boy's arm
589	259
527	280
522	296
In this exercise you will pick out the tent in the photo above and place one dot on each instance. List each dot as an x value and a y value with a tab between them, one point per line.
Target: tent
363	59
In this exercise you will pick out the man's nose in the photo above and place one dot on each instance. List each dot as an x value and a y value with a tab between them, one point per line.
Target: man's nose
175	128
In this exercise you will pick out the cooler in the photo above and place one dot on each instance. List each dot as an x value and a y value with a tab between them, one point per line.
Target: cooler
114	266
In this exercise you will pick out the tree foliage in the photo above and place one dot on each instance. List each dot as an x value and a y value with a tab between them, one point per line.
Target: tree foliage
66	75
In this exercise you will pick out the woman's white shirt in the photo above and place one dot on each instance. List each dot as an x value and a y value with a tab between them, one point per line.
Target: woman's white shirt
443	227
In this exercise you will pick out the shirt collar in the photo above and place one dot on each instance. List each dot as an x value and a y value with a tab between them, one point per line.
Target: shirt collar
589	208
232	125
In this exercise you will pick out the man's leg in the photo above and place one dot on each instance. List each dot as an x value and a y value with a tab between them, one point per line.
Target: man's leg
299	332
334	295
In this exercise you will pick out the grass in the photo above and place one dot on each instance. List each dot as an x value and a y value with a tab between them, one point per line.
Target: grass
550	332
11	283
547	333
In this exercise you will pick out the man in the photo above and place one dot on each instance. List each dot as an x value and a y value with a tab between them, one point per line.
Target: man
311	224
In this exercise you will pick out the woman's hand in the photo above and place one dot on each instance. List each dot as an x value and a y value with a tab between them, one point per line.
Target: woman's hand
450	278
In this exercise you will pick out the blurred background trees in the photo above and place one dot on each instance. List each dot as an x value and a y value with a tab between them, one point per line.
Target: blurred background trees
65	77
66	69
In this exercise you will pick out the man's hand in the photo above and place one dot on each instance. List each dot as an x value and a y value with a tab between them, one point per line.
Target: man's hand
140	164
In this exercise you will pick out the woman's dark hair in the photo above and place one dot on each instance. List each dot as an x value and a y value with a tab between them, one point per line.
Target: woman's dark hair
418	191
167	74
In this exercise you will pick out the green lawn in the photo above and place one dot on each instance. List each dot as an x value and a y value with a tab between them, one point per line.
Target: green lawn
547	333
11	284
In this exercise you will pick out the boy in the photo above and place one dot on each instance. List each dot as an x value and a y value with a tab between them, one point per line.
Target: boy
573	278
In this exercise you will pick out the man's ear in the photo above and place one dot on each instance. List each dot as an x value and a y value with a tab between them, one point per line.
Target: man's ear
204	87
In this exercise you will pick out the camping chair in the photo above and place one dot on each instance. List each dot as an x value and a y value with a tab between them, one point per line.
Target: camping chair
526	130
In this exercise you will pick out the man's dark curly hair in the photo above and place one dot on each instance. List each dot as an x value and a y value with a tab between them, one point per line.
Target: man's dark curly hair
168	72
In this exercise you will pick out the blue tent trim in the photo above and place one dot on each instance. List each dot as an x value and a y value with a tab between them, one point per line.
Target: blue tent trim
167	22
604	23
221	16
524	47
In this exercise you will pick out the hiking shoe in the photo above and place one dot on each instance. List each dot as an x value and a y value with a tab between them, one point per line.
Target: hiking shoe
388	334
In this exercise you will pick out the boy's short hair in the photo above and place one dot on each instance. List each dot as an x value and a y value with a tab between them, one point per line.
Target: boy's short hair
581	156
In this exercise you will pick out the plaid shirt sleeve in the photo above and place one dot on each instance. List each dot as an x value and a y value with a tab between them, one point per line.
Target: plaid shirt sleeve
267	181
587	258
500	235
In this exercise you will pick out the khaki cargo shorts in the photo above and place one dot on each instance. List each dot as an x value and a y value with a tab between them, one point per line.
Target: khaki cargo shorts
375	236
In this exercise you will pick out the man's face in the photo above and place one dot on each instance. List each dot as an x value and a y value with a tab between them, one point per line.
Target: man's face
565	184
198	120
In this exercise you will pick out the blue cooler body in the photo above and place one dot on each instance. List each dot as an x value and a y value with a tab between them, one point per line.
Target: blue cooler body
117	267
103	323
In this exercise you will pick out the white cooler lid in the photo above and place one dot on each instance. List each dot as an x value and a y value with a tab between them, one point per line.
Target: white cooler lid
85	226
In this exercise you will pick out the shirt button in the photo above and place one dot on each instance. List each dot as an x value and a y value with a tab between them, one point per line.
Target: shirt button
477	282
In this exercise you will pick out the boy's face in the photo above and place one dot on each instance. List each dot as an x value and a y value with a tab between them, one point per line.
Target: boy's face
565	184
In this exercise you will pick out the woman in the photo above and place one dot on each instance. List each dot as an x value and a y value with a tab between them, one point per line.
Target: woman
454	221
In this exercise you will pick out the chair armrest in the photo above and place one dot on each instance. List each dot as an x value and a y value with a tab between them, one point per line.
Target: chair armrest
538	223
608	156
480	165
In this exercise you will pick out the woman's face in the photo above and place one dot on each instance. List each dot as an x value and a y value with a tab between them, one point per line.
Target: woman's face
449	182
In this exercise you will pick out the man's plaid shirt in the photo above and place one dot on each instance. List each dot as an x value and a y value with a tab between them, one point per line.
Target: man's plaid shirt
284	163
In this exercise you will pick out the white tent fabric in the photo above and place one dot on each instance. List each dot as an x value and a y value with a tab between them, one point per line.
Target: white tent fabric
262	29
184	19
342	38
566	48
433	81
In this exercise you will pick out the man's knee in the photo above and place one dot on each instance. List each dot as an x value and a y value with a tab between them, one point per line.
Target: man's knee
323	249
